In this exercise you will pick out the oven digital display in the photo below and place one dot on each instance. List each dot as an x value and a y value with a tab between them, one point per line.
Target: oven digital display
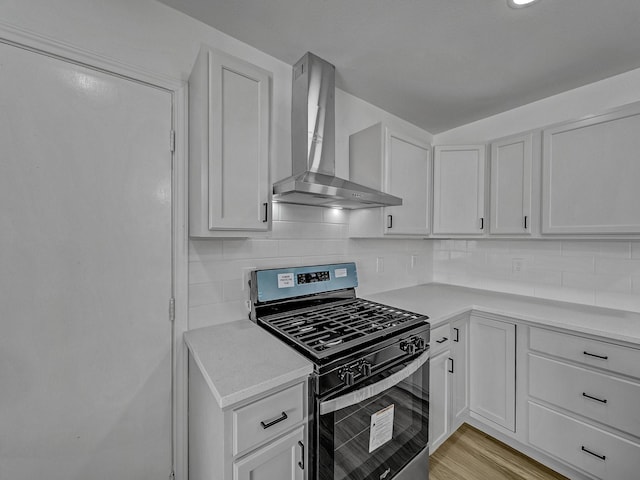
313	277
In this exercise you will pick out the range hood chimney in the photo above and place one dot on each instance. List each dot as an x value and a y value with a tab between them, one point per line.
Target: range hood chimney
313	180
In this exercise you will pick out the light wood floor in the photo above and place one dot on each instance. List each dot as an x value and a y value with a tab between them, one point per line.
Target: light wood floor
469	454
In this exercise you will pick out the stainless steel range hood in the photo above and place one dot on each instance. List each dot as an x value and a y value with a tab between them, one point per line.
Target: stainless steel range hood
313	181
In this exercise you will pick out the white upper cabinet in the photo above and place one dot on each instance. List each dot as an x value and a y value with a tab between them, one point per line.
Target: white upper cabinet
458	190
229	114
591	172
511	174
391	161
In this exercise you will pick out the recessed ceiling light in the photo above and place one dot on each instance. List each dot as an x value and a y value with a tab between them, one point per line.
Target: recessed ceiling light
520	3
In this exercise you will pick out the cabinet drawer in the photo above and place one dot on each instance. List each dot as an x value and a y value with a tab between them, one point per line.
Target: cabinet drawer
571	440
598	396
599	354
267	418
440	339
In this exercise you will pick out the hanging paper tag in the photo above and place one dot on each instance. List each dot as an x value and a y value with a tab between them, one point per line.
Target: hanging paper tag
381	427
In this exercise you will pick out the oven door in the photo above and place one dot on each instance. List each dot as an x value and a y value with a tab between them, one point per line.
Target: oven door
375	430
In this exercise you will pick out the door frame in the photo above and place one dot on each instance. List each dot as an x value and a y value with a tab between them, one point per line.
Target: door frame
178	89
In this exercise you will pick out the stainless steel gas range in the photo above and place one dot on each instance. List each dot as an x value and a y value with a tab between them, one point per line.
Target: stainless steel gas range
369	393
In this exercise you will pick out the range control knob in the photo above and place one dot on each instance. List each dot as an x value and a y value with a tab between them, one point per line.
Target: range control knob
419	343
347	376
365	368
408	347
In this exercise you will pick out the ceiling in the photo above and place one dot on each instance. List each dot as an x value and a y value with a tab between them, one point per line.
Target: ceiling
440	63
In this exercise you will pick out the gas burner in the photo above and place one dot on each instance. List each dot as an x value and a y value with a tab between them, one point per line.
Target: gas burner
323	330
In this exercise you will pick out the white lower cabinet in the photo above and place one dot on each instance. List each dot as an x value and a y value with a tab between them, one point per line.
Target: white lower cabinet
492	363
599	453
583	401
439	399
448	381
460	371
261	438
281	460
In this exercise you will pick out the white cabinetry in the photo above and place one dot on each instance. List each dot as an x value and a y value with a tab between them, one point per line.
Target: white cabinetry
458	190
460	367
278	461
448	384
590	175
439	387
583	402
229	116
389	160
259	438
511	180
492	371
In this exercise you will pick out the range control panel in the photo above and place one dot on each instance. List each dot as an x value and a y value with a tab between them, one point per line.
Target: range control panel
283	283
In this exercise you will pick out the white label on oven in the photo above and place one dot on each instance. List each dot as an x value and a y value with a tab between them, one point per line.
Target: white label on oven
285	280
340	272
381	427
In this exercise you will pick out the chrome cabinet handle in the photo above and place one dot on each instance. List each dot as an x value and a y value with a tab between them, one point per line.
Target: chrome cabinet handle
301	462
273	422
601	400
457	338
442	340
586	450
601	357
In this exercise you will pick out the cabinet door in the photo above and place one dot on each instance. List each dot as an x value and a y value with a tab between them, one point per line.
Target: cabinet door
408	175
460	380
492	363
590	175
511	185
229	145
284	459
439	399
458	188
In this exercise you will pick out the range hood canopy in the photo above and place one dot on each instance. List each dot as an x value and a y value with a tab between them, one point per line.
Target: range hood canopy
313	181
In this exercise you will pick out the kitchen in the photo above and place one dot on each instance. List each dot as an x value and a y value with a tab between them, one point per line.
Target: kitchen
210	274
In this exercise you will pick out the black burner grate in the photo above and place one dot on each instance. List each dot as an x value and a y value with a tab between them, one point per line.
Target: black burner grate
324	329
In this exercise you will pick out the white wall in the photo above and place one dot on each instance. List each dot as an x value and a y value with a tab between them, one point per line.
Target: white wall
605	273
154	37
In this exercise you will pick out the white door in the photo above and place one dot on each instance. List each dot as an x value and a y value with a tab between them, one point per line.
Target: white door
511	174
493	370
408	163
439	399
85	273
283	459
458	189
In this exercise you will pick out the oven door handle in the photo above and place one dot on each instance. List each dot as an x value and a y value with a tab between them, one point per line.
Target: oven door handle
357	396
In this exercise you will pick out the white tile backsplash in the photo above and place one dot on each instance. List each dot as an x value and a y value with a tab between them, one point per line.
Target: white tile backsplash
300	236
604	273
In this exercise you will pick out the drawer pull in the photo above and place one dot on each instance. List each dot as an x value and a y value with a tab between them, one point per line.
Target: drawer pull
586	450
273	422
301	462
442	340
601	400
601	357
457	330
450	365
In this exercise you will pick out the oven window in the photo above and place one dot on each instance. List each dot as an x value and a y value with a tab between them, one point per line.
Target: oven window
385	432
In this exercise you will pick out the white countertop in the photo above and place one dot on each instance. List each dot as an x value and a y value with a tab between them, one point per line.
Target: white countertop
240	360
442	302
